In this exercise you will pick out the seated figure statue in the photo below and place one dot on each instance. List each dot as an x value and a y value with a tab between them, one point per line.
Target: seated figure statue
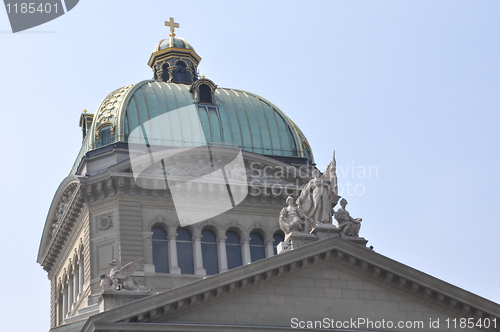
291	217
348	225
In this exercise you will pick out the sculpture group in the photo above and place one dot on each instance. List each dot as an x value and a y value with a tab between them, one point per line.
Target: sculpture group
315	205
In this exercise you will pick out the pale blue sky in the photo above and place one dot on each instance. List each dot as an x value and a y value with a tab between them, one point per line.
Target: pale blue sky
408	87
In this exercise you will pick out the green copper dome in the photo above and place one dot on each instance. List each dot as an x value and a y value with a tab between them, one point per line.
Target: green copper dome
235	116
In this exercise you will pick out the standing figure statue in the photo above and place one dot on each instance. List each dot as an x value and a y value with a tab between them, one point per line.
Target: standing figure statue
319	195
348	225
292	218
119	278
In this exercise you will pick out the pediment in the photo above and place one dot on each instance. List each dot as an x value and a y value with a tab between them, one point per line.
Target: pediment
66	203
332	278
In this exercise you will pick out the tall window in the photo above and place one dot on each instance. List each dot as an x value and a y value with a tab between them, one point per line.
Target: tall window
205	94
185	251
160	249
180	74
105	136
164	74
277	237
209	250
233	250
257	248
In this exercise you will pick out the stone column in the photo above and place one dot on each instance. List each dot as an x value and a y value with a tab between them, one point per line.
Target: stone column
221	243
148	252
65	302
170	73
269	248
246	251
76	283
172	255
70	293
198	258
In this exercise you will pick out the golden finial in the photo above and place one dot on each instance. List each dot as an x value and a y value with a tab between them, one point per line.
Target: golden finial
202	76
172	26
85	111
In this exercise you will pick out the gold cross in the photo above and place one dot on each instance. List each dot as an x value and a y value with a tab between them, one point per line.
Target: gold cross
172	26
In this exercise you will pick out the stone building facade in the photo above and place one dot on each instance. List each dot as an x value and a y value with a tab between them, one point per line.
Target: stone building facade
221	272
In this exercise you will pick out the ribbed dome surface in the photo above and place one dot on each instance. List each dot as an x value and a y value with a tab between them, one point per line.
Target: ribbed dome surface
173	42
238	117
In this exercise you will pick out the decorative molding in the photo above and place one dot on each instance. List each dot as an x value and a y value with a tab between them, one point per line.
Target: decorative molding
105	124
63	223
104	222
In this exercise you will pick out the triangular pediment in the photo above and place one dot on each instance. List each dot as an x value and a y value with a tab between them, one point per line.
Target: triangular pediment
332	278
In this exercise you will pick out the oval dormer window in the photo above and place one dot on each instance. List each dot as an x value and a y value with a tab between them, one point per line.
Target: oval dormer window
104	136
205	94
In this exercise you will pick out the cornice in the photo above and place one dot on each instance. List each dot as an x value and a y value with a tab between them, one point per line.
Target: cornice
173	51
62	215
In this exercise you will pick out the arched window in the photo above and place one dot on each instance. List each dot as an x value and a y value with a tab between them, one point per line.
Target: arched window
277	237
233	250
209	250
160	249
164	75
180	74
105	136
257	248
185	251
205	94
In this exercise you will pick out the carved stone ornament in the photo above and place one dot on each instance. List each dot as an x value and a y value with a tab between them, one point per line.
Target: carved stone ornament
104	222
107	109
120	277
62	206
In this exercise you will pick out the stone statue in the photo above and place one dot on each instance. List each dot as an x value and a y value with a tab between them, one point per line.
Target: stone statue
177	170
348	225
292	218
200	169
106	282
119	278
319	195
238	173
